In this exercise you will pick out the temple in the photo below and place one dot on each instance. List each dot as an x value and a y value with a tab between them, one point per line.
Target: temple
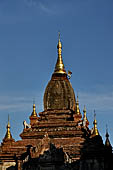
58	138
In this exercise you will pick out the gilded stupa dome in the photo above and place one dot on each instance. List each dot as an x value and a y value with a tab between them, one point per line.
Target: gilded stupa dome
59	94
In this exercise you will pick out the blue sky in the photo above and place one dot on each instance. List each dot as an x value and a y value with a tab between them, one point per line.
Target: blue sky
28	53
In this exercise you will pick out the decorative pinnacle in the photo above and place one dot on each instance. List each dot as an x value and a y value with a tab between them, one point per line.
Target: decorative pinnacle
8	133
59	68
95	130
107	134
84	111
34	110
95	121
107	142
77	106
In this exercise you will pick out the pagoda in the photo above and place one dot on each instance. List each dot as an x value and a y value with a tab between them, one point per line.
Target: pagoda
59	137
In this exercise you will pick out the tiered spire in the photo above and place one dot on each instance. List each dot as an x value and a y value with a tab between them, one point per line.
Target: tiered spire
33	118
77	106
107	142
77	115
85	120
59	68
84	111
34	111
8	135
95	130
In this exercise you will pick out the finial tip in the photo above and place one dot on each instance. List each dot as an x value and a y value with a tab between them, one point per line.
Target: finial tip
84	108
59	35
33	100
8	117
94	114
77	97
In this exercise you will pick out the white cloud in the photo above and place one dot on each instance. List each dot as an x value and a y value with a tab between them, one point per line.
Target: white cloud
19	103
45	8
100	102
50	7
31	2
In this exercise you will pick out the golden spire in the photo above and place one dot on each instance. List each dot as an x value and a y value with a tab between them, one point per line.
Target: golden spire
95	130
107	142
84	111
34	111
77	106
59	68
8	133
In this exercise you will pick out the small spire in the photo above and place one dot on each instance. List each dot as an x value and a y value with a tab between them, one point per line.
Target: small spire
95	130
107	142
8	133
85	120
77	106
34	114
84	111
59	68
34	111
